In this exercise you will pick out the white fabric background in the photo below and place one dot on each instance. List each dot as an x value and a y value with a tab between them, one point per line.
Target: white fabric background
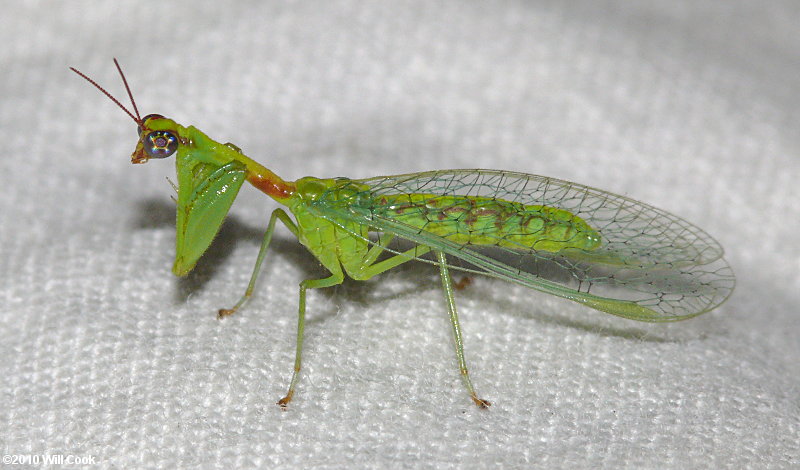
691	106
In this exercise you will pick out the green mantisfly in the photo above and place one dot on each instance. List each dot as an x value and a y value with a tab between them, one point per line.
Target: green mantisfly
602	250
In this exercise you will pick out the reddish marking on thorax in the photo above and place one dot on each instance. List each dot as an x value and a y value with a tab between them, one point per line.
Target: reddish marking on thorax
272	185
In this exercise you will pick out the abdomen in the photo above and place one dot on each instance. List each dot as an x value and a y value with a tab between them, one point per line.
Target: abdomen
487	221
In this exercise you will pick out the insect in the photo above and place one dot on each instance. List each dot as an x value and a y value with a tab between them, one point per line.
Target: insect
602	250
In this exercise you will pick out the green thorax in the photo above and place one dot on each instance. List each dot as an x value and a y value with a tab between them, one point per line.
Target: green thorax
332	241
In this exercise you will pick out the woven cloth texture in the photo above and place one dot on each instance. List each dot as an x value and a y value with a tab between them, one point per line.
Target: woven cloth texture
691	106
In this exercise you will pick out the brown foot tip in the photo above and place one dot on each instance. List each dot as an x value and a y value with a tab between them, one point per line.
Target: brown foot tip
283	402
224	312
483	404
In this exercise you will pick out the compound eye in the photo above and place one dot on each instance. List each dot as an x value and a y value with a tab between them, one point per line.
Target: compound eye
160	144
149	116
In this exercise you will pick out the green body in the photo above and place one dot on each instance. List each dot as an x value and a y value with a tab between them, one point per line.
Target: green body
605	251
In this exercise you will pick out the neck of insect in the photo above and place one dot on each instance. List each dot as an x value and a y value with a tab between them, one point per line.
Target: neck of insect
268	182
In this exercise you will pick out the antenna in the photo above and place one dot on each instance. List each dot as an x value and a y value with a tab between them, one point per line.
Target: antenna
137	119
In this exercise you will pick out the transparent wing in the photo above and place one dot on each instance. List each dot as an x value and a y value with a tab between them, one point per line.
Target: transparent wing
650	265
